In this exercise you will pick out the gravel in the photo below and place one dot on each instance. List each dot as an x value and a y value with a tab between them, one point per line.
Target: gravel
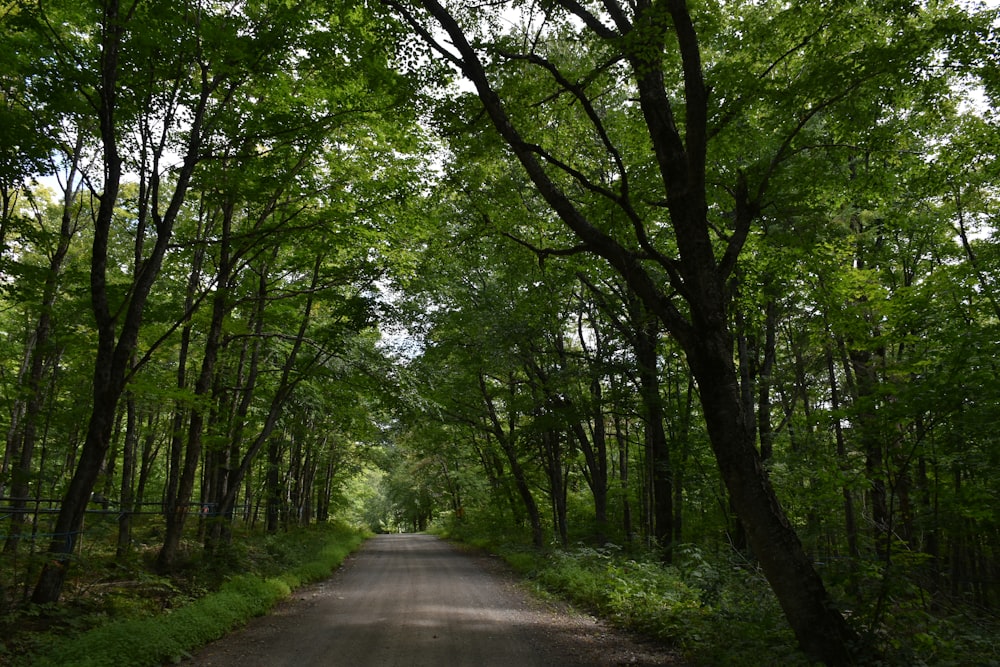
413	600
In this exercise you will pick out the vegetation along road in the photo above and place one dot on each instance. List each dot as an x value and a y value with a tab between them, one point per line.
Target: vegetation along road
416	600
691	308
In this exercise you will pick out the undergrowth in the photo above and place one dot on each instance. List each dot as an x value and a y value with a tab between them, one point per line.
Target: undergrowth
719	611
260	573
695	605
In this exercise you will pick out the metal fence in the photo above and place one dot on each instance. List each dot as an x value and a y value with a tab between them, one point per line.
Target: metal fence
34	510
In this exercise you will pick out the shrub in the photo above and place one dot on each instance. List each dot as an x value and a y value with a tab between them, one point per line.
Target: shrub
145	642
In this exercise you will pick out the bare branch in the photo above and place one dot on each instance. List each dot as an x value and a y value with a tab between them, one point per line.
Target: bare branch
545	253
589	19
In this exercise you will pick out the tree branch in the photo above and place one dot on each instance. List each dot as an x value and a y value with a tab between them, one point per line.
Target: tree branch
545	253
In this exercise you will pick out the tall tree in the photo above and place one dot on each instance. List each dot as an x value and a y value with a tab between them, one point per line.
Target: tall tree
23	434
172	96
683	276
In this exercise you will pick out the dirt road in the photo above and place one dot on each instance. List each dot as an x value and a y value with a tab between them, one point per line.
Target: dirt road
414	600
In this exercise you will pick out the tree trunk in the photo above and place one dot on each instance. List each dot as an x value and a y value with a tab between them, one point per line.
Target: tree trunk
27	411
867	425
850	525
69	521
821	630
493	467
527	499
247	374
645	342
176	519
283	392
552	455
273	492
308	484
325	493
621	435
150	450
296	467
125	494
109	369
765	431
506	440
680	438
181	410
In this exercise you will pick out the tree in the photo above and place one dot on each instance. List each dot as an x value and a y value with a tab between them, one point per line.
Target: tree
173	96
677	240
22	437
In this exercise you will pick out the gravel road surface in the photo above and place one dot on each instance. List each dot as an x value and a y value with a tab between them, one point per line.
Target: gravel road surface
416	600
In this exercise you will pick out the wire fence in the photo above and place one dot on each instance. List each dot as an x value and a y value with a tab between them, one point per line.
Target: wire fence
33	512
27	531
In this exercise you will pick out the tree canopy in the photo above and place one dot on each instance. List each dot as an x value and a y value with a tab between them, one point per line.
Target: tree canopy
673	276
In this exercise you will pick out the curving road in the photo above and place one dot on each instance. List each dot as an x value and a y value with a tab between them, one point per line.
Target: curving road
415	600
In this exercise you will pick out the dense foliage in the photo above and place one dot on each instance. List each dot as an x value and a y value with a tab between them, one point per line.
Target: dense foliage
686	288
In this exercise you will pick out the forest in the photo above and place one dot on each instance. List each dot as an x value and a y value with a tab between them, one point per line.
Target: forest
702	288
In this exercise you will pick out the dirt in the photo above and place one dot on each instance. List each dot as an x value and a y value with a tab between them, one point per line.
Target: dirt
417	600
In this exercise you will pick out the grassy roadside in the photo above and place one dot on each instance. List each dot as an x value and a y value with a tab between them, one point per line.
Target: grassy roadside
293	560
718	611
689	605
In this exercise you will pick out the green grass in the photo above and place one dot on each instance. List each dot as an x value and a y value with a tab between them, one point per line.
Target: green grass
694	605
287	562
721	611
